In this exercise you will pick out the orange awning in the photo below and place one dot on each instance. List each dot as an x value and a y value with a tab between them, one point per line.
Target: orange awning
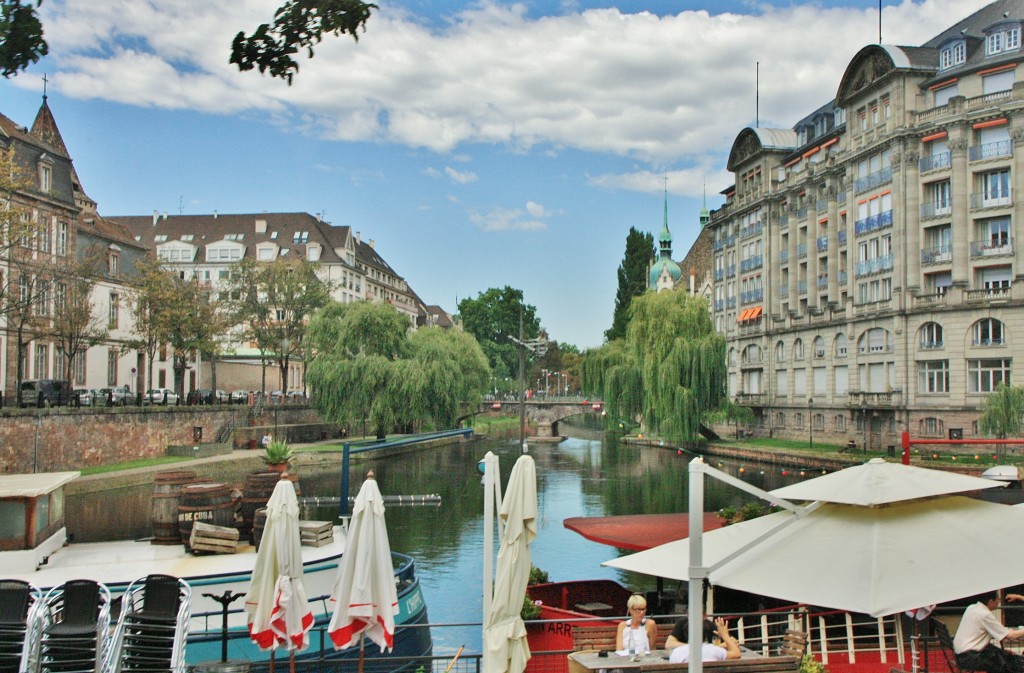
755	313
743	315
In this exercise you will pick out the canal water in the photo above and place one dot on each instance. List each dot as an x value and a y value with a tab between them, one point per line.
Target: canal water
580	476
577	477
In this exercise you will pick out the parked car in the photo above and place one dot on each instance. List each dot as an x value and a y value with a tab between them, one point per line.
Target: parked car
43	393
114	397
199	396
239	396
160	396
84	397
276	397
221	396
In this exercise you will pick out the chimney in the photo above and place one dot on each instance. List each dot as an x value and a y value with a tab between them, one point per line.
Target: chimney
165	214
357	238
261	226
215	214
371	244
156	217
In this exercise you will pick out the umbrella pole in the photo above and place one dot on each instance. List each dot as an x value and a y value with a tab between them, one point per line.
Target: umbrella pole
291	661
362	645
272	661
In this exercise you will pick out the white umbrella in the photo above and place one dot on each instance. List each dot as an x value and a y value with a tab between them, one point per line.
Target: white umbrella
279	614
505	647
877	482
873	560
364	595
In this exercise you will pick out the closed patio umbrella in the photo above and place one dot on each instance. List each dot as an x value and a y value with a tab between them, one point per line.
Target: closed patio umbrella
505	647
278	612
365	599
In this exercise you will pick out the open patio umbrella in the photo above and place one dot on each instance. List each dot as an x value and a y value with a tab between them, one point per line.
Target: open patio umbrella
505	647
877	560
364	596
278	612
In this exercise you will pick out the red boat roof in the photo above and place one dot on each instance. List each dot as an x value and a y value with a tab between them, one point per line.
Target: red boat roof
637	531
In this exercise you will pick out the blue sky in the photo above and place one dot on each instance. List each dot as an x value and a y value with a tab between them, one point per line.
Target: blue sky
479	144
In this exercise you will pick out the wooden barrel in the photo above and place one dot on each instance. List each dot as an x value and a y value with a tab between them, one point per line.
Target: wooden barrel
166	489
258	488
258	524
207	502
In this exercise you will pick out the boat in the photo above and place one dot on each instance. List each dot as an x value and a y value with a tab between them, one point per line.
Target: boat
34	547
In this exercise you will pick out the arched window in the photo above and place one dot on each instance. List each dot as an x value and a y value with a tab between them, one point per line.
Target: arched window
875	340
841	346
780	351
819	347
798	349
752	354
931	335
732	357
988	332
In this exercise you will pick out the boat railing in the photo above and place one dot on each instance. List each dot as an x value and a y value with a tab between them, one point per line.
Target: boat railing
843	636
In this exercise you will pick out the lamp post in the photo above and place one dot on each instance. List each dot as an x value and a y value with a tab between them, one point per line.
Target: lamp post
810	419
539	347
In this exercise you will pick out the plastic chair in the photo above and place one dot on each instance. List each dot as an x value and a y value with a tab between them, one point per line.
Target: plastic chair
16	600
74	619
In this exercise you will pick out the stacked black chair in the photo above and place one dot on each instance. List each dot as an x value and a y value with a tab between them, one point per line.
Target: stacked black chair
16	601
149	635
74	618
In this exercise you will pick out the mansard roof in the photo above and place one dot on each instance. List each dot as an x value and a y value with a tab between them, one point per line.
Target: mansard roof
751	141
875	62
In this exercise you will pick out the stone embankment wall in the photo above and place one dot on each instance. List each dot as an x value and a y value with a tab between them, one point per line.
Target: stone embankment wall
46	440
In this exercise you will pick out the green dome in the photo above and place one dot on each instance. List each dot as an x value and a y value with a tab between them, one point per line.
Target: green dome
658	267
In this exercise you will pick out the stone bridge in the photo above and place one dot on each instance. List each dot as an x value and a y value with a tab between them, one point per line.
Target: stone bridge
546	413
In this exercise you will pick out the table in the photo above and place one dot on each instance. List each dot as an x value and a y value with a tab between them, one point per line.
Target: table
656	660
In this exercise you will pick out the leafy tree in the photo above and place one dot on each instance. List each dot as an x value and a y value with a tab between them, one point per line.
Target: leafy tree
76	325
368	366
670	369
190	324
494	316
632	279
298	24
1004	412
21	36
153	287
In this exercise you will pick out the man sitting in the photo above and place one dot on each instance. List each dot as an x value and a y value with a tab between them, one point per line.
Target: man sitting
977	639
709	652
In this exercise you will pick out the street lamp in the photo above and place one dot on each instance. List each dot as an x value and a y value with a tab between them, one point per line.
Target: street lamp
810	418
538	347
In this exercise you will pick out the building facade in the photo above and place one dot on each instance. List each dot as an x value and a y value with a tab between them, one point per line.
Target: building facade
867	271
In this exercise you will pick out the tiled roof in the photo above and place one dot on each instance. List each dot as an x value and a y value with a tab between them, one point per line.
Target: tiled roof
291	231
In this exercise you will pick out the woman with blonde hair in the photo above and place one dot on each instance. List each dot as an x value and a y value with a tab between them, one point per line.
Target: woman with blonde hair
638	632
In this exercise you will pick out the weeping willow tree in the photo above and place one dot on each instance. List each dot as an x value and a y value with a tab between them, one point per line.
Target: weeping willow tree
668	372
1004	412
369	367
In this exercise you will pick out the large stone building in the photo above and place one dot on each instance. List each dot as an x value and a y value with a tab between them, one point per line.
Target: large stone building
867	269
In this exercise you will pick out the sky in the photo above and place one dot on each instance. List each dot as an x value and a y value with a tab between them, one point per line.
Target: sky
479	144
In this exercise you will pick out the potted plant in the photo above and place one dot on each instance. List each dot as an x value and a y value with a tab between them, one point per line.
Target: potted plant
277	454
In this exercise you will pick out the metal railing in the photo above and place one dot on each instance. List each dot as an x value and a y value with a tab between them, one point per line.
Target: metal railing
1002	148
935	161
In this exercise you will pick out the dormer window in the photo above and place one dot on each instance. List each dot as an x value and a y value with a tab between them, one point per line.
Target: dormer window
952	54
1001	39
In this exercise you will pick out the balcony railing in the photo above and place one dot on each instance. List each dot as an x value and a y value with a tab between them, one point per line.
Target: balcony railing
822	243
751	263
989	200
994	341
801	287
875	400
723	243
784	219
751	296
990	248
730	271
882	220
936	209
936	161
1002	148
937	255
822	280
841	236
784	257
719	304
841	277
752	230
801	250
821	205
801	213
719	275
876	179
841	196
987	294
730	302
871	266
784	291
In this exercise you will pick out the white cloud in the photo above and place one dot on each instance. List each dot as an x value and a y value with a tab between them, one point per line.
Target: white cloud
506	219
462	178
535	209
673	89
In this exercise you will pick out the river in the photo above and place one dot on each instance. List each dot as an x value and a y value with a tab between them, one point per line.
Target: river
577	477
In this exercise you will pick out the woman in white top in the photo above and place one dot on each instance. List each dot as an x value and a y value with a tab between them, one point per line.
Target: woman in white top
638	633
